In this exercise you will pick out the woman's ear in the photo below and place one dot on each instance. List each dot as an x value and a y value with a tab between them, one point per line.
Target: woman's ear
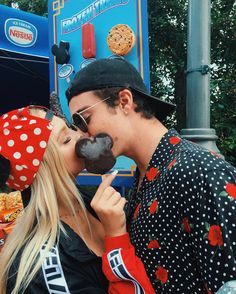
4	171
126	100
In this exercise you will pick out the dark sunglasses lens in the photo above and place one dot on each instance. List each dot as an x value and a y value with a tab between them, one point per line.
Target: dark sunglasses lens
79	122
71	125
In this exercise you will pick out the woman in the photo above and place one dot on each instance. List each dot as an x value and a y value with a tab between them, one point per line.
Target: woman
57	244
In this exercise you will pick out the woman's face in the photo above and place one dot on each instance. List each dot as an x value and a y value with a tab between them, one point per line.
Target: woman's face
66	139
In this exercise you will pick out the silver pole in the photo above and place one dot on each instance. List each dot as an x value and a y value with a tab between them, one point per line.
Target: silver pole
198	76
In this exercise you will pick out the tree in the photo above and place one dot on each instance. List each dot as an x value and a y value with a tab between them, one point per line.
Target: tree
168	56
223	87
34	6
168	53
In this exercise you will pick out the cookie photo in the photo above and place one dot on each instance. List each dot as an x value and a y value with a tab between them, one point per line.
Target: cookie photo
121	39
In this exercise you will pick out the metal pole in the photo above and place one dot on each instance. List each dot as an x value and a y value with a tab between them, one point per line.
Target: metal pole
198	76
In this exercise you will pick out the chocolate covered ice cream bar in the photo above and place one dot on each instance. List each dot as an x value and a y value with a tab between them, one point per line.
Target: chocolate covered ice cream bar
97	153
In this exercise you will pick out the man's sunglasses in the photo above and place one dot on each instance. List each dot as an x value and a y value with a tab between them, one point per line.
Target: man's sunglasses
79	121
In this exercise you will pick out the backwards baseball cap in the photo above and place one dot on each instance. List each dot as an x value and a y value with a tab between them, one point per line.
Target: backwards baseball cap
23	141
115	72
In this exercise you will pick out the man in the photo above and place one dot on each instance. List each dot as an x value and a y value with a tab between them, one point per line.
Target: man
181	213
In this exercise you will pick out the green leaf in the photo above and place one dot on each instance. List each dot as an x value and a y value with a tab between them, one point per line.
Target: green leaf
223	194
207	226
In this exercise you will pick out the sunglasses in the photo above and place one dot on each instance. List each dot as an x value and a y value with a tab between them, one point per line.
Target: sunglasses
79	121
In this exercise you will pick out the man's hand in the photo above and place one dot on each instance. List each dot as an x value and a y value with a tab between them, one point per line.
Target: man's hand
109	206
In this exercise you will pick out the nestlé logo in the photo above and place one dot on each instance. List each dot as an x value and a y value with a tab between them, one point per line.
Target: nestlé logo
20	32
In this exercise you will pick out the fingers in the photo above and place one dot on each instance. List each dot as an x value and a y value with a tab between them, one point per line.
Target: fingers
106	182
108	197
107	194
109	207
114	198
104	176
113	206
115	172
121	204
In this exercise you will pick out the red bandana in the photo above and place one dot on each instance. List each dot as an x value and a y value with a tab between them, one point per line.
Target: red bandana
23	141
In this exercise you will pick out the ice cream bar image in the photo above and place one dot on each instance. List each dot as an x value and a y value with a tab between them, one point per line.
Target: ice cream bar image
88	41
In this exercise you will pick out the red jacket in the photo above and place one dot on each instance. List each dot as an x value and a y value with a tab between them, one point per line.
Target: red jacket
123	269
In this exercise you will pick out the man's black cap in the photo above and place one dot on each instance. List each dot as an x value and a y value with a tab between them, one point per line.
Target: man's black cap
115	72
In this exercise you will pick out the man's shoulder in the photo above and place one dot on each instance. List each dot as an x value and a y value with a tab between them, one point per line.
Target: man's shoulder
189	154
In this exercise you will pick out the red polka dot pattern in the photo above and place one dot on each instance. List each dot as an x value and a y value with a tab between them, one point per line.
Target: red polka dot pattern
23	141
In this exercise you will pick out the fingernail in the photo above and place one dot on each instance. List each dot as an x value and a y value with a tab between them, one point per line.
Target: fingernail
115	172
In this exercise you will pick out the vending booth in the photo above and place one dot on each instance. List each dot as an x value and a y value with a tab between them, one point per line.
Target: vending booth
24	59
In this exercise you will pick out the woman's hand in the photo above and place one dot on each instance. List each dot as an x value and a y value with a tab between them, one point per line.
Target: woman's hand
109	206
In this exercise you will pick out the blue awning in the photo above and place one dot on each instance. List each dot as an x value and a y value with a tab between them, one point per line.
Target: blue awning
23	32
24	61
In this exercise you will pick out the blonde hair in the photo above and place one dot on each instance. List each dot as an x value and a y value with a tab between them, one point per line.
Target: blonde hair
40	222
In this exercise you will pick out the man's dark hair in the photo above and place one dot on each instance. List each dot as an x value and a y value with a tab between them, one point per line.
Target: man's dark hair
141	104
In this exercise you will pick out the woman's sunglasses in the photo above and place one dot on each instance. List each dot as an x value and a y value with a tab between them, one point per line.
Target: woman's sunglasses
79	121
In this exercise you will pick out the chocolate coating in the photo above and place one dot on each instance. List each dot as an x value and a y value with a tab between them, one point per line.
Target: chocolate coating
97	153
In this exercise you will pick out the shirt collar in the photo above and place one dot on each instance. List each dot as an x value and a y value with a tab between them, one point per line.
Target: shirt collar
165	149
163	153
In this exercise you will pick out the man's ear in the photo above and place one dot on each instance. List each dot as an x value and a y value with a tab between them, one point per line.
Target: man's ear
126	102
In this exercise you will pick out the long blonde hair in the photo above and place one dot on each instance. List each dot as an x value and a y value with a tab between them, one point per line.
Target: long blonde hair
40	221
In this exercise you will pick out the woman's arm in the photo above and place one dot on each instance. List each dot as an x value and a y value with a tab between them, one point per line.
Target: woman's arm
123	269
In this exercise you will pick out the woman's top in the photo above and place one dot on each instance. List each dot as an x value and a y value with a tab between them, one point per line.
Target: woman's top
77	270
70	268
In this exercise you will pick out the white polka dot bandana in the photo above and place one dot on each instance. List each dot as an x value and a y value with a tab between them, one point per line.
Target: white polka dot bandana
23	141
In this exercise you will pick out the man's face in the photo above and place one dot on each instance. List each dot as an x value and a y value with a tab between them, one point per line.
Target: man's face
100	119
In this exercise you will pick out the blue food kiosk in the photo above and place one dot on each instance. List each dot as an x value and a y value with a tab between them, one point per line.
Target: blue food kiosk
82	30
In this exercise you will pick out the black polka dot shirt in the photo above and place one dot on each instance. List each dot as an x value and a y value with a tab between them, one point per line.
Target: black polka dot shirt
182	221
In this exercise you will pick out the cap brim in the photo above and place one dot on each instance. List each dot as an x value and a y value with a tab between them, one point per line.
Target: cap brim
162	109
